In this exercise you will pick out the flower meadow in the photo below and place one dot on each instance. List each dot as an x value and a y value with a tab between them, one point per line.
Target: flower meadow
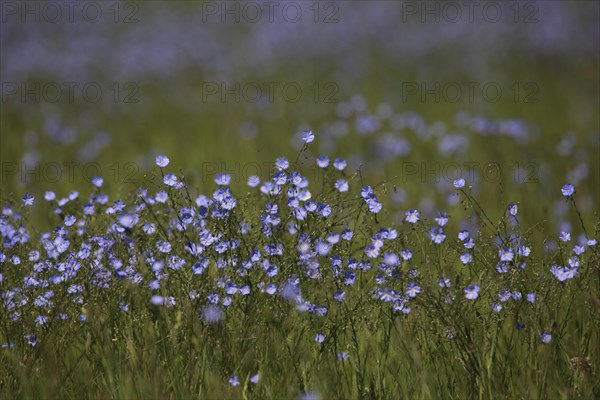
291	288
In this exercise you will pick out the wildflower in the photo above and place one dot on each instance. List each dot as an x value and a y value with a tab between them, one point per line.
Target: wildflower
504	295
347	234
563	273
513	209
163	246
282	164
506	254
49	196
162	161
170	179
31	339
339	295
308	137
444	282
531	297
564	236
157	300
339	164
469	243
323	161
319	337
472	291
437	235
412	216
412	289
463	235
28	199
161	196
222	179
523	251
212	314
234	380
343	356
441	219
496	307
406	254
459	183
578	249
97	181
567	190
253	181
341	185
545	337
466	258
255	378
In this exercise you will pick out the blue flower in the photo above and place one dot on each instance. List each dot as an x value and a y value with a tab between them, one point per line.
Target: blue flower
444	282
319	337
506	254
341	185
472	291
442	218
512	209
170	179
222	179
162	161
323	161
339	164
412	216
255	378
568	190
437	235
308	136
234	381
412	289
282	163
459	183
49	195
212	314
466	258
97	181
545	337
347	234
28	199
253	181
164	246
578	249
463	235
531	297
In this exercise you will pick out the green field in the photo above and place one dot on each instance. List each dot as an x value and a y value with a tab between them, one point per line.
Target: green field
137	287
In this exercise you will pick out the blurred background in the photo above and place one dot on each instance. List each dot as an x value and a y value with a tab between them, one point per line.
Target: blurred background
415	94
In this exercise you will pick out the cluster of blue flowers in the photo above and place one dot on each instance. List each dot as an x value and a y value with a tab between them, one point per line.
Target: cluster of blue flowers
297	241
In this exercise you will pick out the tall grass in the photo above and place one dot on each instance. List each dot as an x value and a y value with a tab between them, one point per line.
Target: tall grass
145	299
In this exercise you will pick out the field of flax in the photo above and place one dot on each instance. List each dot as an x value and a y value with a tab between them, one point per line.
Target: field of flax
352	200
